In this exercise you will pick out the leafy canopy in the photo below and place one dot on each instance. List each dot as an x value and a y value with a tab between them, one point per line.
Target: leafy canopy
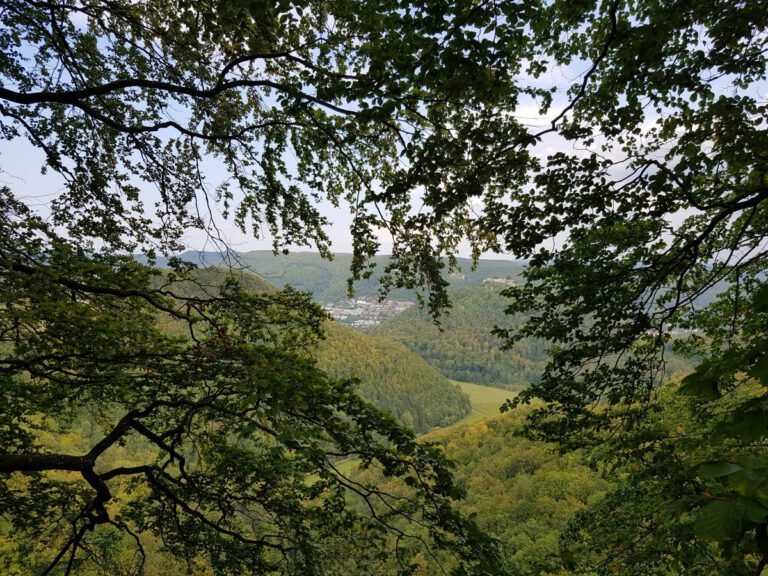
212	433
646	230
654	193
265	109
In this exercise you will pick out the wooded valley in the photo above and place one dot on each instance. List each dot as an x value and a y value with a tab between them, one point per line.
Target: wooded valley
569	197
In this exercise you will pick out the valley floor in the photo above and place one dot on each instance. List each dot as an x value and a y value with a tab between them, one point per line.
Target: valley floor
486	401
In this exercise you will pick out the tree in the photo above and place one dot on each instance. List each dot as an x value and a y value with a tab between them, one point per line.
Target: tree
647	231
291	102
406	111
210	430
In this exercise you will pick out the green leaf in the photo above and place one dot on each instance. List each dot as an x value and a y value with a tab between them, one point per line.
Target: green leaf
718	469
760	370
748	425
679	506
762	493
760	299
754	511
701	384
719	521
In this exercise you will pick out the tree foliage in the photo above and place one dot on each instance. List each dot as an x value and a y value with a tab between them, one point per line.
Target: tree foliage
668	204
150	117
690	494
656	196
237	431
654	193
289	103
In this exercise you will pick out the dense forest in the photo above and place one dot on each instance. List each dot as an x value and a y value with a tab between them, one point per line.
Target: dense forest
463	346
393	378
524	493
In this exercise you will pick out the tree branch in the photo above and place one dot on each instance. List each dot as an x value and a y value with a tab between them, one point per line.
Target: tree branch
73	97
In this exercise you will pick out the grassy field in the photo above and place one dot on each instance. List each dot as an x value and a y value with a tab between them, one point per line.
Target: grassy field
485	403
485	400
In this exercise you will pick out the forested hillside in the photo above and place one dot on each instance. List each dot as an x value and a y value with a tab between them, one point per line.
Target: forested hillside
465	349
207	281
522	491
326	279
391	376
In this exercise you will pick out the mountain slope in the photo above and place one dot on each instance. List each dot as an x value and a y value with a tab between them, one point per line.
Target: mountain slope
391	376
327	280
465	349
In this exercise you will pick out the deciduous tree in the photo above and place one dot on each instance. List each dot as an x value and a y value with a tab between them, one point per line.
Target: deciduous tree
232	435
646	230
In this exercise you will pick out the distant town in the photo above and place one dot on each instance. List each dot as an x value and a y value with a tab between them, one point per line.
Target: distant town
365	312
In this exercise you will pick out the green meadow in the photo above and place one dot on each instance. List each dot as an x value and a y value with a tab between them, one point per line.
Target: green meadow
485	400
